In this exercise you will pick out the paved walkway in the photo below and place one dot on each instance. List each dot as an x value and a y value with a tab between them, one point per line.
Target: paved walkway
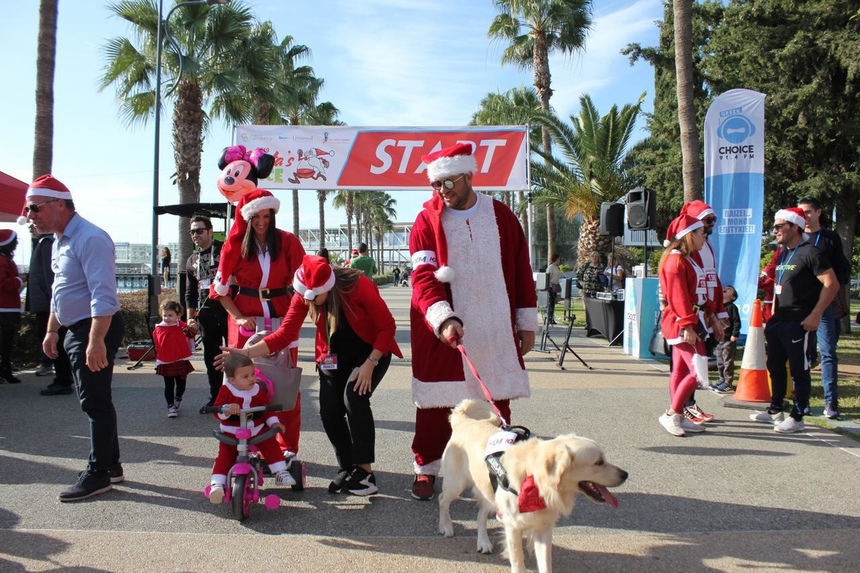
735	498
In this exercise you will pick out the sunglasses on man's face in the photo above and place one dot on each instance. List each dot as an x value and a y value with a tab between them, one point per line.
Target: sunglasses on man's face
448	183
709	220
34	207
198	231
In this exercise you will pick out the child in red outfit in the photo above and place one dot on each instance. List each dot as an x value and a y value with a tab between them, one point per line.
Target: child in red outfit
10	303
242	391
173	348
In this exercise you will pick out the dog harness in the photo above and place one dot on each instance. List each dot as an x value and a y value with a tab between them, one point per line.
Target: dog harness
497	445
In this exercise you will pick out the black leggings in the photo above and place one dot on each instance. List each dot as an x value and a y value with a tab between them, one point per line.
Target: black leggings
174	389
347	417
9	323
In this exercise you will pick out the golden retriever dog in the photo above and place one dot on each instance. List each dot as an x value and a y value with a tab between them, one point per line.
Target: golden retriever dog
560	468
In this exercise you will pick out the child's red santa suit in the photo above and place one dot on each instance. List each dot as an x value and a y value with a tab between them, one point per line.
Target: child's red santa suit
472	265
259	287
227	454
173	349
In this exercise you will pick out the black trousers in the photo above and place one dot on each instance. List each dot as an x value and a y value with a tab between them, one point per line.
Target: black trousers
94	390
347	417
62	368
212	319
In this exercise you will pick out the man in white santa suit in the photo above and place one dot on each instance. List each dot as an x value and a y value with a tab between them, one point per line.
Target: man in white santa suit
472	283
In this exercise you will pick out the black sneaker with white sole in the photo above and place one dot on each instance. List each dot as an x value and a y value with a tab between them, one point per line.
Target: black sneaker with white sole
114	473
88	485
336	485
360	482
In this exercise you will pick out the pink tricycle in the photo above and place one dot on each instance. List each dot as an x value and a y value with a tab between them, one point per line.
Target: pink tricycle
245	477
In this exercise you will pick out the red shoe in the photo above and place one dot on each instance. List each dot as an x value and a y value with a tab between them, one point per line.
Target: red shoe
424	487
696	411
691	416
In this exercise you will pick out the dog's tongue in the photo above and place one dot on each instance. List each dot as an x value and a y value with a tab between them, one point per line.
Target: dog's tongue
608	497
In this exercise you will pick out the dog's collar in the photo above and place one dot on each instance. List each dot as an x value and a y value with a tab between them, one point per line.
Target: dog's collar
498	475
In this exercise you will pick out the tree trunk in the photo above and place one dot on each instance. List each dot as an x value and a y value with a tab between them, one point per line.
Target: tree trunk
296	212
43	148
321	196
187	150
542	85
692	164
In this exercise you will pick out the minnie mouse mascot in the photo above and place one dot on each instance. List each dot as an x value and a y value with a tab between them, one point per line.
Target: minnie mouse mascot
240	170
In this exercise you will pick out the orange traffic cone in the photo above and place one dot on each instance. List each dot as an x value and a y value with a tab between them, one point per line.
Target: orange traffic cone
753	385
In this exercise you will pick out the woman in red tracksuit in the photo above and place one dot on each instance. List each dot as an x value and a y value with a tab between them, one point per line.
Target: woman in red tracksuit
354	344
684	288
173	349
257	264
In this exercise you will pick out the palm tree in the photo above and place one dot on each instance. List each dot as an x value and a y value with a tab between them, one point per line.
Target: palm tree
692	171
593	149
515	107
206	43
43	148
379	213
534	28
346	200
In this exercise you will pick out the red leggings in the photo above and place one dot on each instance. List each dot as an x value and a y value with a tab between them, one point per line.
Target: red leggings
682	379
433	430
227	455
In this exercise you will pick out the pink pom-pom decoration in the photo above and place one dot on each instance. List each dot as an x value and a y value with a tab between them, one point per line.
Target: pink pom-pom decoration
272	501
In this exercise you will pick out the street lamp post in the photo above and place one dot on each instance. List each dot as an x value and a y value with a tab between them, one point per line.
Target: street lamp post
154	286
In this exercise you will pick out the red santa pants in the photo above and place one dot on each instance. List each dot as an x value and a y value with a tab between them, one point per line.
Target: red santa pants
227	455
288	440
433	430
682	379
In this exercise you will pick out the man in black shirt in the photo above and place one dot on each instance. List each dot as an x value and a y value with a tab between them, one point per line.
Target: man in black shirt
830	243
205	316
804	287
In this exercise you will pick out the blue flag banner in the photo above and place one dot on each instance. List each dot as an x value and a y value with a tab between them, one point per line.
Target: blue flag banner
734	188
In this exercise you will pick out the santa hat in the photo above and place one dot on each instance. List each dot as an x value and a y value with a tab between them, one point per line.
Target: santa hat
450	161
7	236
249	205
697	209
314	277
45	186
680	226
792	215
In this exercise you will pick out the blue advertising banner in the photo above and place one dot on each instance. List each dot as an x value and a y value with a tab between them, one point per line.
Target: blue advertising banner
734	188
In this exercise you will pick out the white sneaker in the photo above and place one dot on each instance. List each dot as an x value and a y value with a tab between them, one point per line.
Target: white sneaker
216	493
672	424
689	426
172	411
284	479
767	417
177	404
790	426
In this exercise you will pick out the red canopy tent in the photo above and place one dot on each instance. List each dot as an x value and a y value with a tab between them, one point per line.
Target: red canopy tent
12	192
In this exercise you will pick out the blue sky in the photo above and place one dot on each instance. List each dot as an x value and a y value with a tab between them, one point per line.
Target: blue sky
385	63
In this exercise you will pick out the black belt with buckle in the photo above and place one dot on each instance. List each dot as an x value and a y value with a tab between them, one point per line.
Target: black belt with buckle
262	293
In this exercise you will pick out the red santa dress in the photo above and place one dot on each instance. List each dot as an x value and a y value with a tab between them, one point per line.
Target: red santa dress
173	349
473	265
256	396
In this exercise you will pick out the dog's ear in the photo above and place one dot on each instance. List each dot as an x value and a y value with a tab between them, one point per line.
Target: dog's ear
556	462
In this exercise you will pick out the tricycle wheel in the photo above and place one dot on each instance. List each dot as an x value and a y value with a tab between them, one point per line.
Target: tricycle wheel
298	470
241	497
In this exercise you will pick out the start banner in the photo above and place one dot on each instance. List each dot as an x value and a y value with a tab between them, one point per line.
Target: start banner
384	158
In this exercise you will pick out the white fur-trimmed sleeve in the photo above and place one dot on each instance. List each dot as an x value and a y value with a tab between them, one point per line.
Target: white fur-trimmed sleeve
527	319
438	313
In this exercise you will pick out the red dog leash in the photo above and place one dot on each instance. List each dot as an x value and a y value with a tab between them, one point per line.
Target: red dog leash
484	388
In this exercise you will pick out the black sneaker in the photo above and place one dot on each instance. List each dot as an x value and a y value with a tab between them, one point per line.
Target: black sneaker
56	389
115	474
360	482
336	485
88	485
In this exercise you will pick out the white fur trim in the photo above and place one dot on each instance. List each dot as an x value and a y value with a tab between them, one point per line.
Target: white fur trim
310	294
438	313
700	367
12	236
791	217
690	229
253	207
222	287
22	220
45	192
666	243
445	274
431	469
526	319
445	167
447	394
705	213
424	258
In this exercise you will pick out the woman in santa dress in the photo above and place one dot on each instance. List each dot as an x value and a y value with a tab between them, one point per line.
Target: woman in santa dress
255	272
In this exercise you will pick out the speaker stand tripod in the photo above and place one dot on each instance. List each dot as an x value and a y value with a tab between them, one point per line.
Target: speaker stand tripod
545	336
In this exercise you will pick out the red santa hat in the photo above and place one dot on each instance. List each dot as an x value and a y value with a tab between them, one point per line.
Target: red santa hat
314	277
249	205
450	161
697	209
792	215
680	226
7	236
44	186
